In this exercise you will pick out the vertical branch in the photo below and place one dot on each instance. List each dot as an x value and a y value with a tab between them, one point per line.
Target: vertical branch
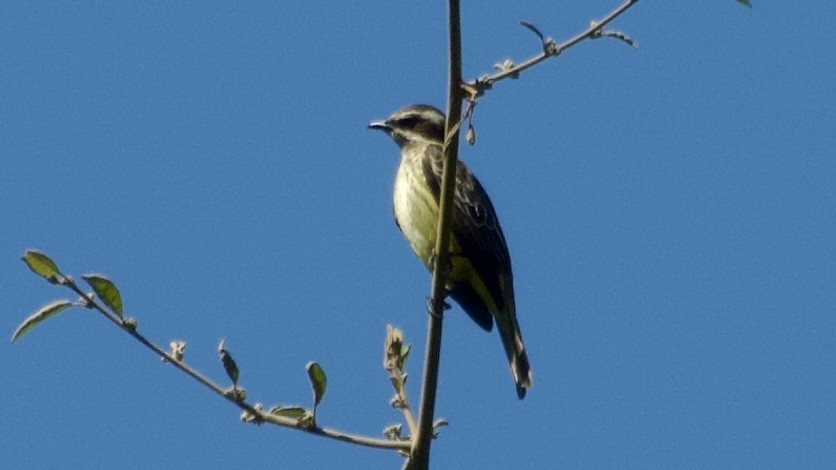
419	458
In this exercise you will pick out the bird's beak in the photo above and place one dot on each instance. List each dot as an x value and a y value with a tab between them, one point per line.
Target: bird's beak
380	125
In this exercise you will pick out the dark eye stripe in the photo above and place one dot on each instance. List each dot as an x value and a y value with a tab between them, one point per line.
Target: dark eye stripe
408	121
419	123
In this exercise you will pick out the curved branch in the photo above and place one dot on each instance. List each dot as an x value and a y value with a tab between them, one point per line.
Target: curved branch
476	88
256	414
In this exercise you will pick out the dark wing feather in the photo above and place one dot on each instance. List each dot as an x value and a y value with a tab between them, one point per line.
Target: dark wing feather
479	233
476	228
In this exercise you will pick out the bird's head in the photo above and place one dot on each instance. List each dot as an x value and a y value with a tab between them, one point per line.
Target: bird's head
413	124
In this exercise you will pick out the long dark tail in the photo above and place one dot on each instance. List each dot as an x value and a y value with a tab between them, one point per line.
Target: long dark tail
509	331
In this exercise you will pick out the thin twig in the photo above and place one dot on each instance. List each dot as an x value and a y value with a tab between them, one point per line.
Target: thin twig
257	414
395	353
475	88
406	408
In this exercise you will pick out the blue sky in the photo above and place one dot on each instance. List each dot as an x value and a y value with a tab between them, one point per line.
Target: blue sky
670	212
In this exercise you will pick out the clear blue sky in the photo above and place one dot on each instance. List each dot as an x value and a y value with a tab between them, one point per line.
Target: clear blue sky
670	211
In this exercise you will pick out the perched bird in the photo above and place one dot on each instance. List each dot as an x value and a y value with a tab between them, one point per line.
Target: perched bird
480	280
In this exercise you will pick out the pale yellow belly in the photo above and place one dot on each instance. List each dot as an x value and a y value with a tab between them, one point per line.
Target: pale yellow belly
415	210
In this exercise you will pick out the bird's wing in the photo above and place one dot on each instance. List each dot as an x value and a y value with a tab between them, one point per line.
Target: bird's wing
475	228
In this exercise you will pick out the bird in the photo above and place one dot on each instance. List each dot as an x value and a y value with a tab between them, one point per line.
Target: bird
480	279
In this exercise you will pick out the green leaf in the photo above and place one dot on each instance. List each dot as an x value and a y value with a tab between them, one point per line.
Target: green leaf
106	290
230	366
745	2
405	348
43	266
288	411
319	383
42	314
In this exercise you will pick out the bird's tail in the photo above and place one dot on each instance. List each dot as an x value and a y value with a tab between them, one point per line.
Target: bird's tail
509	331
